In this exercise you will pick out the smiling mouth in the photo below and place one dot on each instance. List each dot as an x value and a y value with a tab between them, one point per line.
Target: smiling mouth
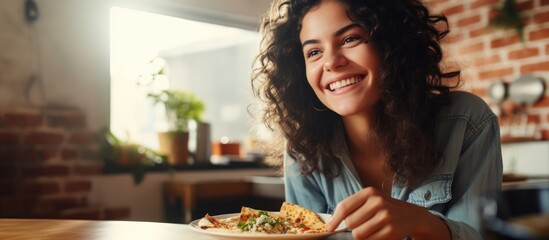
345	82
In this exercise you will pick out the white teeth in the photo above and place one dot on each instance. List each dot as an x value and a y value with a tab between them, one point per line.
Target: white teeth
343	83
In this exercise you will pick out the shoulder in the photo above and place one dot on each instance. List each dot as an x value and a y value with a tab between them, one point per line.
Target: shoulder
462	102
466	106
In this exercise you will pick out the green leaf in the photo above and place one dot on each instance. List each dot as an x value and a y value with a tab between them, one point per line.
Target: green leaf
509	17
180	107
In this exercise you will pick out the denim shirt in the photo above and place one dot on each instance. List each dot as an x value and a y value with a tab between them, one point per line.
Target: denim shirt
466	132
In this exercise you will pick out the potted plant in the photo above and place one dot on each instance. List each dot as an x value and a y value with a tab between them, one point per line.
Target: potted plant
120	154
508	16
180	107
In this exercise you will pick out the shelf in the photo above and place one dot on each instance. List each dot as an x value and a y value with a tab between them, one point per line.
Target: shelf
114	169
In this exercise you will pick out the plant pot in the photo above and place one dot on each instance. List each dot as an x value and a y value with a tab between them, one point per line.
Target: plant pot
175	145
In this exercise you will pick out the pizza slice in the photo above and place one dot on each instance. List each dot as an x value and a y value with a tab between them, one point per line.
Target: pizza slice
247	213
215	222
303	218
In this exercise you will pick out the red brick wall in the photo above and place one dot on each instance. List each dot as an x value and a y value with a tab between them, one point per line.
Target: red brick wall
47	160
486	54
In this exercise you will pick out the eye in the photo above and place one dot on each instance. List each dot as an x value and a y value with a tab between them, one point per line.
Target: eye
312	53
352	39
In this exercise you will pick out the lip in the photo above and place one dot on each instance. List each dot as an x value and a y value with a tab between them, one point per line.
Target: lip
327	85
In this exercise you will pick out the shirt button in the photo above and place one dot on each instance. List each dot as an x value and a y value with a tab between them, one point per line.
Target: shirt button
427	195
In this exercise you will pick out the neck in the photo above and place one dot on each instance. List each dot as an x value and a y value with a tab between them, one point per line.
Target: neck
360	133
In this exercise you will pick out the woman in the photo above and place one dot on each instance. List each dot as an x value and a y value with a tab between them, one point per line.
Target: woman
373	133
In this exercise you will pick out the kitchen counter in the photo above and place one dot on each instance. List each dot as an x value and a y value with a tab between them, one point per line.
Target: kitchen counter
206	166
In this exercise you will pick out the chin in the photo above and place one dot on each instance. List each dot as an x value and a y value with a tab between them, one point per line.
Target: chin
345	111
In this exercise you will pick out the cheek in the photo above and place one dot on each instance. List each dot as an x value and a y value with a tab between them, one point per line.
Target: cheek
313	75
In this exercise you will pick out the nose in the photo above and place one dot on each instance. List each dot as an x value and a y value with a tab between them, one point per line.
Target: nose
334	60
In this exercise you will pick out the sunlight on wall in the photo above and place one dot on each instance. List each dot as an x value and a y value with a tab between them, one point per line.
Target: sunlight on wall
136	39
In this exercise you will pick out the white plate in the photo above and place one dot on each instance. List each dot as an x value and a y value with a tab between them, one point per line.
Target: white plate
237	236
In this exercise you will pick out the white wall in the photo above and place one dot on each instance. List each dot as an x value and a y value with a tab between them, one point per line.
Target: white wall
526	158
67	48
66	51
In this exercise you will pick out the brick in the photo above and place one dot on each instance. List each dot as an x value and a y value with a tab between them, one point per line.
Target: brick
452	38
17	206
525	6
544	134
523	53
90	153
46	171
84	138
88	170
68	154
541	17
539	34
9	138
40	188
78	186
468	21
63	202
453	10
8	187
9	172
18	119
541	103
481	31
473	48
46	153
43	138
66	119
533	119
482	61
481	92
541	66
17	154
492	13
496	73
547	49
482	3
81	213
504	42
119	213
27	155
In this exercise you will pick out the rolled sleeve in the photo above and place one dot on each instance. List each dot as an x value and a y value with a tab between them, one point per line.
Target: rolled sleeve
459	230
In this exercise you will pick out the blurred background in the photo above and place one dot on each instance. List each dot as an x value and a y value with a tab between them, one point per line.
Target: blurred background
78	132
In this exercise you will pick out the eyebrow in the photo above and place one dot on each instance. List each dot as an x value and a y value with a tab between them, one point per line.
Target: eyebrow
337	33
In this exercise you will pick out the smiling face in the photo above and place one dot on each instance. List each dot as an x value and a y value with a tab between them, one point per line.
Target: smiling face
341	67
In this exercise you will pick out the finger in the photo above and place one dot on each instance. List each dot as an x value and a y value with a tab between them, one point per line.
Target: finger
363	214
373	227
387	232
347	206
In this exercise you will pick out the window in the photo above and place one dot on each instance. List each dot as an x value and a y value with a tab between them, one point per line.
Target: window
210	60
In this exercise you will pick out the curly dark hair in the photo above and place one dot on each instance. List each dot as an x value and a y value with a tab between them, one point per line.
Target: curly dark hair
412	81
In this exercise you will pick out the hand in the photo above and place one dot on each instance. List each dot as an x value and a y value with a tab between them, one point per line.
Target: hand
373	215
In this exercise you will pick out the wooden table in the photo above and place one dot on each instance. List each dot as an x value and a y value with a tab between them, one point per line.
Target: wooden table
35	229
